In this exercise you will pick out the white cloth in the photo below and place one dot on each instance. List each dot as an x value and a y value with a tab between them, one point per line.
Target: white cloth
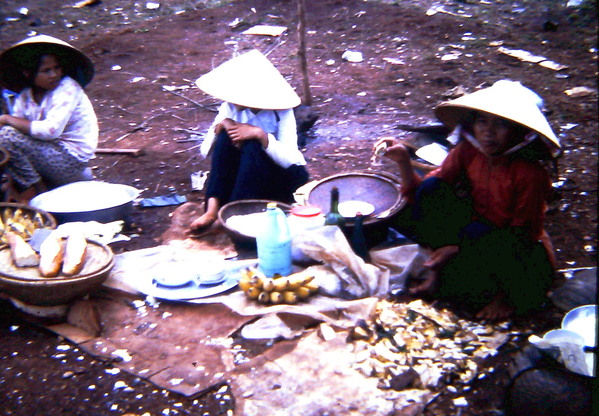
65	114
282	134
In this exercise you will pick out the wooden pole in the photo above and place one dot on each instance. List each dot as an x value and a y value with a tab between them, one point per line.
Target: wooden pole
301	28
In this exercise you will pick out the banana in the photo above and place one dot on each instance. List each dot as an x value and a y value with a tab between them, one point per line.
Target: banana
245	284
253	292
263	297
299	279
289	297
281	284
17	215
245	274
303	292
268	284
276	297
313	286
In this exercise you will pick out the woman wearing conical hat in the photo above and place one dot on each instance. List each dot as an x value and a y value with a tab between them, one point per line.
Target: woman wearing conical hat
52	131
482	211
253	139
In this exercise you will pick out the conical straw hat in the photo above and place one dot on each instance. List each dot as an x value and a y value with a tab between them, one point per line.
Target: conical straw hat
74	62
250	80
507	99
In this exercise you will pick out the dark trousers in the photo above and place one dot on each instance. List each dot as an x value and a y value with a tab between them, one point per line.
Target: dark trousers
249	173
491	259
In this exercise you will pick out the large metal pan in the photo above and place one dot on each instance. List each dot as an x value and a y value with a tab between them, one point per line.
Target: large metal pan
88	201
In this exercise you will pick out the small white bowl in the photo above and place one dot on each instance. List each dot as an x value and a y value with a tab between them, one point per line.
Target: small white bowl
174	274
211	274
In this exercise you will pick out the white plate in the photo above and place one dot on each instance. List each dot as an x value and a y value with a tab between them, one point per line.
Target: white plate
148	286
349	209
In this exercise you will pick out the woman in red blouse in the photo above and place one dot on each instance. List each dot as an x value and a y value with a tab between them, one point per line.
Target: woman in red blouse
482	211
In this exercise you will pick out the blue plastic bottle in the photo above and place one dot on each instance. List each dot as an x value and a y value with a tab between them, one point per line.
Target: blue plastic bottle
274	243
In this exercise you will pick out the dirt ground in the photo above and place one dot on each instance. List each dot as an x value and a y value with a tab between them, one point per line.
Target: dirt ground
416	54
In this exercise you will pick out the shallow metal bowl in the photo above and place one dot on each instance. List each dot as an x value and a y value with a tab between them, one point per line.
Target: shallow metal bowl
88	201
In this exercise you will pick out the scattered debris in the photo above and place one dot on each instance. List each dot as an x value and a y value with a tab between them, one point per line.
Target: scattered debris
198	180
526	56
351	56
83	3
577	92
435	344
266	30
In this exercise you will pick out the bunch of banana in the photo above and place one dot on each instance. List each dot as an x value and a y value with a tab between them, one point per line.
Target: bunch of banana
20	222
290	289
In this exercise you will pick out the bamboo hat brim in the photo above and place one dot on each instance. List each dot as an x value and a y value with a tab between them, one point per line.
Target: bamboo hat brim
74	62
250	80
509	100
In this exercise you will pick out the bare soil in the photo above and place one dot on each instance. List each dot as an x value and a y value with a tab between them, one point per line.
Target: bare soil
137	50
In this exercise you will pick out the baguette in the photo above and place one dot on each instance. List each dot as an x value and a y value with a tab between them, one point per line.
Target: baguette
22	253
51	256
74	256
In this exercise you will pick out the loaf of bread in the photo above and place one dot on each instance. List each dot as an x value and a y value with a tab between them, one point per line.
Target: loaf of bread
74	256
51	255
22	253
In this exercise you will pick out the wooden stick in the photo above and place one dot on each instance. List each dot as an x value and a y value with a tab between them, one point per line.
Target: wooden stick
115	151
190	100
301	28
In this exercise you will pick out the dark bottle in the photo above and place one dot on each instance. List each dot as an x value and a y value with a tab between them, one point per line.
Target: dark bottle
333	217
358	241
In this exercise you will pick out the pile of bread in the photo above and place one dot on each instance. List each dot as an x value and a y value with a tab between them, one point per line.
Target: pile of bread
57	254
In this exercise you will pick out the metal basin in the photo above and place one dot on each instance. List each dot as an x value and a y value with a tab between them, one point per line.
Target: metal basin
88	201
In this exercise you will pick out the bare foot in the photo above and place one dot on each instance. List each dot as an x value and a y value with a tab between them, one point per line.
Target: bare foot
202	223
498	310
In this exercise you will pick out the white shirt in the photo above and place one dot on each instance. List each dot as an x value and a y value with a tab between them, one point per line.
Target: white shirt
65	114
282	135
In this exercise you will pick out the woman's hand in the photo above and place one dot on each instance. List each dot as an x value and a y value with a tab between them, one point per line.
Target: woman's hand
396	151
239	132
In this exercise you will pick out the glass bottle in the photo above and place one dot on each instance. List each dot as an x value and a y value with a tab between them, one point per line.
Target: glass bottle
358	240
334	217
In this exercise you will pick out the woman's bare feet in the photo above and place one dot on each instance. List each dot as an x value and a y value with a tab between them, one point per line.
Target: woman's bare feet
498	310
207	219
202	223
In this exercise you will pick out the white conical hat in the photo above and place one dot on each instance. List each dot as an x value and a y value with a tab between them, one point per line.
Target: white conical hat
250	80
507	99
74	62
